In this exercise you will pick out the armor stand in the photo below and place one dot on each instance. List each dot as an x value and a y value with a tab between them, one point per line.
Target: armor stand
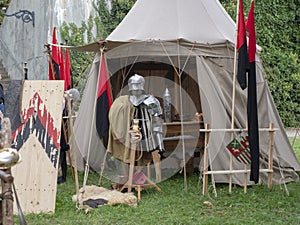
149	183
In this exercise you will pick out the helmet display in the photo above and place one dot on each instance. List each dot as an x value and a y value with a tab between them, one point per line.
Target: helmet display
74	94
136	82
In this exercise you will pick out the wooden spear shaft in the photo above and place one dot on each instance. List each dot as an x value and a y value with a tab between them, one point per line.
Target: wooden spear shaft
233	94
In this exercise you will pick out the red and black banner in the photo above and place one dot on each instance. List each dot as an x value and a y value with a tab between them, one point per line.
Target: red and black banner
241	45
252	98
54	71
104	100
38	120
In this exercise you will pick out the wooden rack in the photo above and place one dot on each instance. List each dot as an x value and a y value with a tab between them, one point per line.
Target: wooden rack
231	171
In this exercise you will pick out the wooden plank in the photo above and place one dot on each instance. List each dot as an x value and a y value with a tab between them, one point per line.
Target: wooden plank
235	171
35	179
38	141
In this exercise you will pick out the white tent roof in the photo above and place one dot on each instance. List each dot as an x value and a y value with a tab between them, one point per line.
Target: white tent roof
167	20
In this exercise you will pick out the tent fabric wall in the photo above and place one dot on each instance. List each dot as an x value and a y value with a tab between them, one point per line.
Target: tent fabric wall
214	77
201	44
85	126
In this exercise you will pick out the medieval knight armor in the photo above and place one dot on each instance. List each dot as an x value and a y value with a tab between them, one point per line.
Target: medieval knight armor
139	106
148	111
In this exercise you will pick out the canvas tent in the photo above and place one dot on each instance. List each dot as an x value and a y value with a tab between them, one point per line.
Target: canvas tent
191	44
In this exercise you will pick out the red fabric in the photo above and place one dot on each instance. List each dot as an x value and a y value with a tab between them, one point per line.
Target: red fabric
241	26
104	100
61	64
67	71
243	63
55	56
103	82
251	31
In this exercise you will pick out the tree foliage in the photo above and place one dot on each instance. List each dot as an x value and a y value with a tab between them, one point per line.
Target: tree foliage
110	14
80	61
3	5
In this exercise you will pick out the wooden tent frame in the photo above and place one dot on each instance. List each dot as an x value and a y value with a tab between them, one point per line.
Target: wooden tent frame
206	172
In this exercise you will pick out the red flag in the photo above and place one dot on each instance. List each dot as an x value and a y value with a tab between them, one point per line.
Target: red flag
241	45
61	64
104	100
252	99
251	32
54	64
67	71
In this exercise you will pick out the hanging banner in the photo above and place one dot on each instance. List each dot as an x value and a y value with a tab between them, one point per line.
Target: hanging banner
239	148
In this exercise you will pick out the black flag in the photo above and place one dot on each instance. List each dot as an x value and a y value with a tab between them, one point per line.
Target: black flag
252	99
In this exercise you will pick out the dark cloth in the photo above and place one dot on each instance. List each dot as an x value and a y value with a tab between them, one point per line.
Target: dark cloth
252	99
1	103
1	94
94	203
64	147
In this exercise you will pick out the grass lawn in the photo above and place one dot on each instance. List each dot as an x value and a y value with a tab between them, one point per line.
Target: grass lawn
174	206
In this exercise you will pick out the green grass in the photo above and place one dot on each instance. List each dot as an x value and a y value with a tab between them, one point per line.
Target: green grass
259	205
295	142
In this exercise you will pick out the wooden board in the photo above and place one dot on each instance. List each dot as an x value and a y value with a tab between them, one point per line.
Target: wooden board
34	178
38	141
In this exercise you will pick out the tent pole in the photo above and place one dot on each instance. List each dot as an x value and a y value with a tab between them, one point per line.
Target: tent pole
67	137
86	170
270	160
48	51
245	167
205	160
233	94
73	144
179	72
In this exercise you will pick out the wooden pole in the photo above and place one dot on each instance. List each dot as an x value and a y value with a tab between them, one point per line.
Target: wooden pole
245	167
7	199
205	163
133	147
245	179
102	169
70	113
176	92
67	140
270	161
183	141
233	94
48	51
179	72
86	170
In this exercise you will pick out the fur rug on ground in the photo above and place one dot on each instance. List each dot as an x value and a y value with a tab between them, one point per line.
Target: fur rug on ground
113	197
